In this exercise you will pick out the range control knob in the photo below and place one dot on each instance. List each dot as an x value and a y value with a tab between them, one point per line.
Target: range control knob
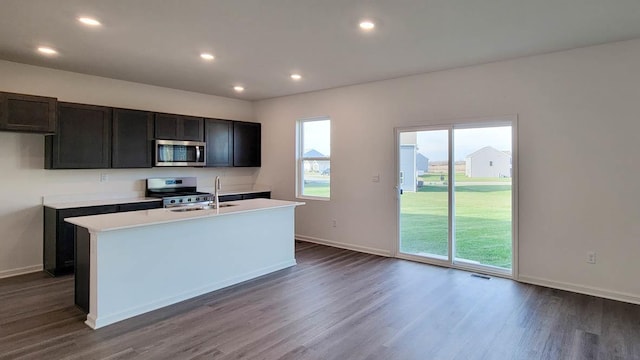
189	200
180	200
173	201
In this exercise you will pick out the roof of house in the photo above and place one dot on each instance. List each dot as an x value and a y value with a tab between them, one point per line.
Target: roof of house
507	153
314	153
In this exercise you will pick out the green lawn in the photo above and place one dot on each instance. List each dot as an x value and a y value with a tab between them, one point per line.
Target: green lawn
483	222
483	219
317	189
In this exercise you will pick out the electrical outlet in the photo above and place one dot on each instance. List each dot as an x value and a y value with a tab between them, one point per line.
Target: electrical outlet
334	223
591	257
375	178
104	177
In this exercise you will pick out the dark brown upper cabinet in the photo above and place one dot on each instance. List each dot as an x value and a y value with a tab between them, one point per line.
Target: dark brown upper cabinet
219	137
178	127
82	139
27	113
246	144
132	141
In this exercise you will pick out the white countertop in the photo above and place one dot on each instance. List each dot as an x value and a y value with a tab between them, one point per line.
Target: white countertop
87	203
131	219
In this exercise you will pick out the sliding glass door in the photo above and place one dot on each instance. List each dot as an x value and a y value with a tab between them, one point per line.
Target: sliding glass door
424	178
456	199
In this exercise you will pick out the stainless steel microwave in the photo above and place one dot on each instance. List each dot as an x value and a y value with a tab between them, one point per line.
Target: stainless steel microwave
179	153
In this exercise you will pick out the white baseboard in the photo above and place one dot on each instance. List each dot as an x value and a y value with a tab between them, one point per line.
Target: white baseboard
588	290
358	248
20	271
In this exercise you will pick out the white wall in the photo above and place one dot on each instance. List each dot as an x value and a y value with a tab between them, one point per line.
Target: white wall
25	182
579	123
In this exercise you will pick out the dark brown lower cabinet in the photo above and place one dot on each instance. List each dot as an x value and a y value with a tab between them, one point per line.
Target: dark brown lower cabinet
59	235
255	195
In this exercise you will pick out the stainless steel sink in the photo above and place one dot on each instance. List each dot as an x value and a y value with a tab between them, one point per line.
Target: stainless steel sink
196	208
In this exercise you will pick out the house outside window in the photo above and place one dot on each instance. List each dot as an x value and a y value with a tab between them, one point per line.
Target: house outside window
314	158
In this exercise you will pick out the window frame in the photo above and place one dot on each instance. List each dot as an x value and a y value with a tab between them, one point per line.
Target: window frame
300	158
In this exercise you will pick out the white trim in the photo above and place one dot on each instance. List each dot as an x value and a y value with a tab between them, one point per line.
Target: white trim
300	158
587	290
451	125
20	271
309	197
581	289
481	269
515	180
358	248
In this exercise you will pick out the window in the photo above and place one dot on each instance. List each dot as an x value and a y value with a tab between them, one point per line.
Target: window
313	158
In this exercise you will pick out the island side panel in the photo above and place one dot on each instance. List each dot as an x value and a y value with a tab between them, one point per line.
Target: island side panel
144	268
82	271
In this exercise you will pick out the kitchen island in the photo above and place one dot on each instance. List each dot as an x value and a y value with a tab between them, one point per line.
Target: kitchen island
131	263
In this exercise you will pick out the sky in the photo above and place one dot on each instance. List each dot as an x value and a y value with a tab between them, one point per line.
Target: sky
434	144
317	136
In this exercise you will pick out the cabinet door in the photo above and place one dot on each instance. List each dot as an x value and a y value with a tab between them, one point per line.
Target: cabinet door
190	128
82	140
27	113
246	144
166	127
219	137
132	139
178	127
66	234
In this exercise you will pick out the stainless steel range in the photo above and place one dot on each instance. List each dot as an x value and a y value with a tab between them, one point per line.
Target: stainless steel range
178	191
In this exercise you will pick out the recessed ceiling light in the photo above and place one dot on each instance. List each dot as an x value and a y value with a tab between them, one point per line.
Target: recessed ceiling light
367	25
89	21
296	76
238	88
47	50
207	56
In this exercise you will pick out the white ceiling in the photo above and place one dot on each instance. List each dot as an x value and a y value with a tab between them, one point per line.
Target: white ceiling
259	43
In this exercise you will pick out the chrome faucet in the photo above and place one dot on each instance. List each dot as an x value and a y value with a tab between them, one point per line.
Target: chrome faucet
216	190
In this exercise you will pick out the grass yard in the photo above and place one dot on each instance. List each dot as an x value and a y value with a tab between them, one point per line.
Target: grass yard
483	218
460	178
483	223
317	189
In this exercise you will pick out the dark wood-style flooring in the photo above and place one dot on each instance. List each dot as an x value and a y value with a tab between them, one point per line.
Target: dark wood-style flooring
335	304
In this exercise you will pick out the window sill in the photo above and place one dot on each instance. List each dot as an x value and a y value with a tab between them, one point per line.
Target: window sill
307	197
